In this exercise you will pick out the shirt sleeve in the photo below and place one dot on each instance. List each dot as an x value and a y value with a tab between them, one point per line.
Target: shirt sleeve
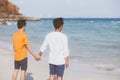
44	45
26	40
66	50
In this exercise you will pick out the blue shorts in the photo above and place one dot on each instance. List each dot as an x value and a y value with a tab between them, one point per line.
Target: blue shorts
21	64
57	69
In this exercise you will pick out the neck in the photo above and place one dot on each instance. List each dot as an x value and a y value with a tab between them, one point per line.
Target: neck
57	30
20	30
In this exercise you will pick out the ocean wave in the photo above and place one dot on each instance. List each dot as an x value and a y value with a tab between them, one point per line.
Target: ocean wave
108	67
115	22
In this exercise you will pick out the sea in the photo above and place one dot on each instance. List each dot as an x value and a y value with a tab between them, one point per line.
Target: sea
92	41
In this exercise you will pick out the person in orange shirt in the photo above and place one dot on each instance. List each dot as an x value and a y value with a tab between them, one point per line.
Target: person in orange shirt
21	45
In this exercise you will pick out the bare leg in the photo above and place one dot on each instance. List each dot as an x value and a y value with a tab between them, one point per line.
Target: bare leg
15	73
60	78
23	75
52	77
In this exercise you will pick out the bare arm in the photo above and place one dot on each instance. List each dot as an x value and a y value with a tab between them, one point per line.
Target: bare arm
43	47
67	62
32	53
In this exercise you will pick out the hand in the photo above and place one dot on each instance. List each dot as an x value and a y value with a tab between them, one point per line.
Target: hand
67	61
37	57
67	64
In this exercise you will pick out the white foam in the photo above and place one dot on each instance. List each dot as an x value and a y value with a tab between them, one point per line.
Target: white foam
107	67
11	23
115	22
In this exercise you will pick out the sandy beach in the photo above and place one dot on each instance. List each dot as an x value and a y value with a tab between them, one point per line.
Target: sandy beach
40	71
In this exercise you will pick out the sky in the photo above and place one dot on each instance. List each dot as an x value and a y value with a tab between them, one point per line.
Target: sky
69	8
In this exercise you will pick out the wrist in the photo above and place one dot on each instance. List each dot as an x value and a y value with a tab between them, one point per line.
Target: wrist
34	55
40	54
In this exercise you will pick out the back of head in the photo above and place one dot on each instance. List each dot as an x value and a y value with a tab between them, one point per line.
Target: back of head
21	23
57	22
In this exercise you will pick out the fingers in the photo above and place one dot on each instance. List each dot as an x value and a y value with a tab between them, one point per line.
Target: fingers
37	57
67	65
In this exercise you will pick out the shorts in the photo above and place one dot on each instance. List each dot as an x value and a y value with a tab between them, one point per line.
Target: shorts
57	69
21	64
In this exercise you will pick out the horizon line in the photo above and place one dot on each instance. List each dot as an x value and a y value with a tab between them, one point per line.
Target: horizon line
81	18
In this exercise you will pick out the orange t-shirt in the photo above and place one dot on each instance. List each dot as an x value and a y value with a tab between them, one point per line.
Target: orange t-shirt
20	39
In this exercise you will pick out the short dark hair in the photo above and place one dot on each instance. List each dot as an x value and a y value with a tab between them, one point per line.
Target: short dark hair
57	22
21	23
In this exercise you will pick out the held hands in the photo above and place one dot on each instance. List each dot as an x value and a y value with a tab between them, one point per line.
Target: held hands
37	57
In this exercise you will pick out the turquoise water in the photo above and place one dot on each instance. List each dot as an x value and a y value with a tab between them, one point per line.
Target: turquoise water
91	41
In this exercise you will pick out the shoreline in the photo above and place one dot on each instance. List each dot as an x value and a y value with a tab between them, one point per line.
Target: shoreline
40	70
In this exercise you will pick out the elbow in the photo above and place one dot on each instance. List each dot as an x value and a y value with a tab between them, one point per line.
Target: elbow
27	46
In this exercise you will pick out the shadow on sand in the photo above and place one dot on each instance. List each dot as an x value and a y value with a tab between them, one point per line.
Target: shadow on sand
29	76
